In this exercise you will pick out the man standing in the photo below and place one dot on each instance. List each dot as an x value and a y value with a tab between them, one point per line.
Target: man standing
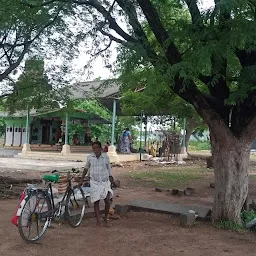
100	174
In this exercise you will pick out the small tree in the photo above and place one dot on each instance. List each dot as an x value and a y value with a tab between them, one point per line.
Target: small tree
32	90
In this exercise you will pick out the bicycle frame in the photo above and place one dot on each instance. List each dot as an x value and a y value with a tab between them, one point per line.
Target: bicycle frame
57	207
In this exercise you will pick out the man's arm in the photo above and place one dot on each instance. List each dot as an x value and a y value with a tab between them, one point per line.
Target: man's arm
111	179
86	168
84	173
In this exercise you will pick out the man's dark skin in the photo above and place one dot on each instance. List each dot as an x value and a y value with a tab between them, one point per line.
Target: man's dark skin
97	151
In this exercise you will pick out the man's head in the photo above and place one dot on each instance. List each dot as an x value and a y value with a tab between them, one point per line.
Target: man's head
96	147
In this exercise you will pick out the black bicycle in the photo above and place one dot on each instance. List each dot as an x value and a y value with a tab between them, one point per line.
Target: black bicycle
41	208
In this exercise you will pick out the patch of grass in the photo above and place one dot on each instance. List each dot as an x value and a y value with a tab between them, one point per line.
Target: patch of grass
166	178
253	156
229	225
246	217
252	177
199	145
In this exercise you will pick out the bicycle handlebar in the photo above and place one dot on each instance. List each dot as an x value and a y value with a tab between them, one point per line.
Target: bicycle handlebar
73	171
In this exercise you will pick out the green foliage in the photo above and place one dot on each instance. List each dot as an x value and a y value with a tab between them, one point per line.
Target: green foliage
167	178
229	225
101	131
32	89
246	216
199	145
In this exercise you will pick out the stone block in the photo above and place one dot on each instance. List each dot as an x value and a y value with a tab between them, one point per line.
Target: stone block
66	149
26	148
212	185
145	157
122	210
177	192
187	220
170	208
189	191
112	154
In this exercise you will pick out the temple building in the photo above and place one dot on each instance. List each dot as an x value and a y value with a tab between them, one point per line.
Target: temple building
48	129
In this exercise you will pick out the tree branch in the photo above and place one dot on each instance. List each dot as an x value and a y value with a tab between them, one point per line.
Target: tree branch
195	13
113	38
112	22
26	44
130	10
104	49
15	64
160	32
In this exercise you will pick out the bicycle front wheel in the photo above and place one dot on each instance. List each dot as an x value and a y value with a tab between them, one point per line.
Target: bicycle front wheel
75	206
35	216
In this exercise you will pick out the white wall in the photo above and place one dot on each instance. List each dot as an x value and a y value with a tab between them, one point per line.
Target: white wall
23	136
17	136
8	138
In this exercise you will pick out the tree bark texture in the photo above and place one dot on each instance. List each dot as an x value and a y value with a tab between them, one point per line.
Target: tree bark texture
231	162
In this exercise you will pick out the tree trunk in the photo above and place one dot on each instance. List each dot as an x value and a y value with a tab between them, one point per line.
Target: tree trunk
187	137
192	124
231	162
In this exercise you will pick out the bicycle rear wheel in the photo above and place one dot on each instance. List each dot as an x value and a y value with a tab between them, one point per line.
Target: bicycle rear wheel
75	206
35	216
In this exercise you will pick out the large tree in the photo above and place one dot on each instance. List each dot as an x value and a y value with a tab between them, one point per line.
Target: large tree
214	49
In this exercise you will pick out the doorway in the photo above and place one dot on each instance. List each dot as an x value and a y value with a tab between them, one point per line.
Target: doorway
46	133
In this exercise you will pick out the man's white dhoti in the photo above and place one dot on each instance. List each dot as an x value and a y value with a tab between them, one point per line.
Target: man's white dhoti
99	190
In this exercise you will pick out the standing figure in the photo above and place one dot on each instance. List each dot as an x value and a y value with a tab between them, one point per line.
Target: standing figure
153	149
126	139
100	174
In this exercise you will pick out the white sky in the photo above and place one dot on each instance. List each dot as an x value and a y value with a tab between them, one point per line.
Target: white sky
99	69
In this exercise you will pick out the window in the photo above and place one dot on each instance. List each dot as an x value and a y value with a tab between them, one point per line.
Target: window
19	129
24	129
7	129
10	129
16	129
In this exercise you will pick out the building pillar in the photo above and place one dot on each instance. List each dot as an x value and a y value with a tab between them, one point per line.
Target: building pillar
66	147
112	148
26	146
113	123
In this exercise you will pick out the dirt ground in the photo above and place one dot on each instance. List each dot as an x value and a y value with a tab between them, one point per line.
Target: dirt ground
139	233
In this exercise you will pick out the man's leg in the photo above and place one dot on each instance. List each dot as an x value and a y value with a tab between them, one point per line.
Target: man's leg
97	211
107	207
